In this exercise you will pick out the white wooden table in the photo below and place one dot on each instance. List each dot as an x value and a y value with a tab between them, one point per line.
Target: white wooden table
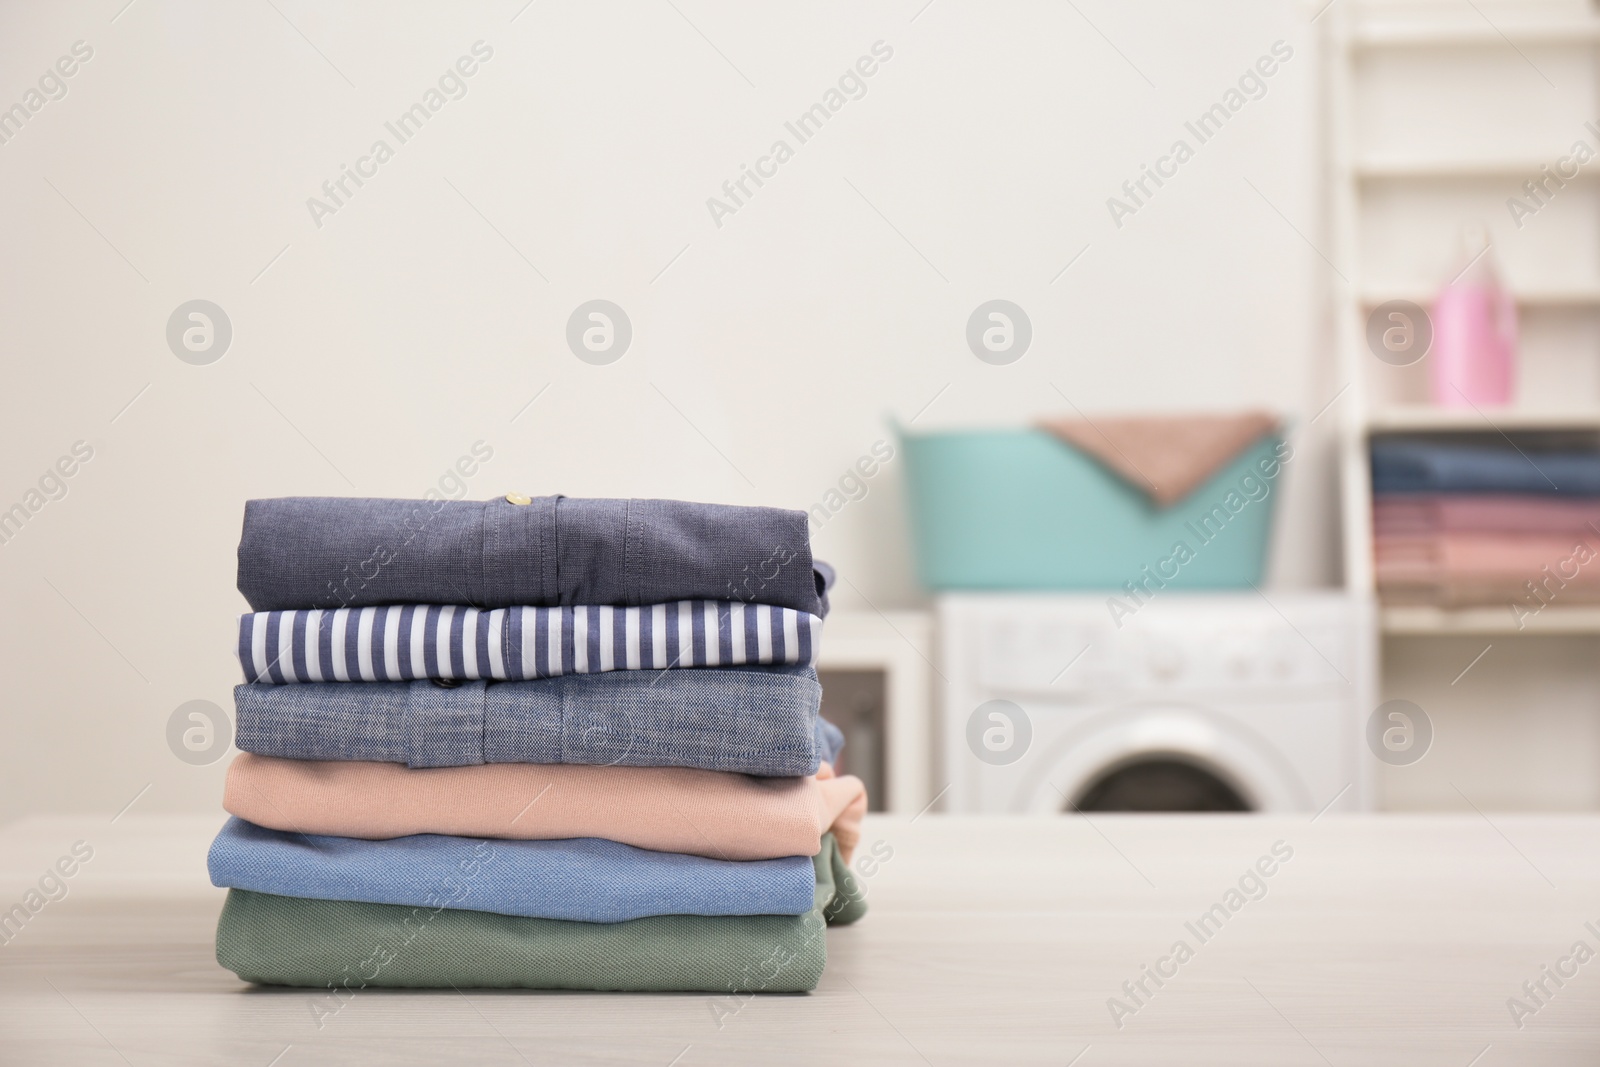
1383	940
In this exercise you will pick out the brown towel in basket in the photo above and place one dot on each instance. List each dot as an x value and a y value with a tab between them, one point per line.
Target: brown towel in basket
1166	457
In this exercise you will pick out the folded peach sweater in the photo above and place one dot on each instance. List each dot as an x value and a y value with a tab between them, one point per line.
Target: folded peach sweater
669	809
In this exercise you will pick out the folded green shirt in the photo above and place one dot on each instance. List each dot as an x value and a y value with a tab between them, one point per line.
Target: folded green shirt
346	946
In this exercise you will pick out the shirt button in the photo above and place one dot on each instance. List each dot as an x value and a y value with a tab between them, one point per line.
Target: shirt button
518	498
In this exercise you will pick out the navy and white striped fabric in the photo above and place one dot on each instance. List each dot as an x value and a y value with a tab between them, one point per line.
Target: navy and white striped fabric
409	641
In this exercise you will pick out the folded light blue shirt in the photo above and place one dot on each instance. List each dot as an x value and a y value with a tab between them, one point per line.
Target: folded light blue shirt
579	879
746	719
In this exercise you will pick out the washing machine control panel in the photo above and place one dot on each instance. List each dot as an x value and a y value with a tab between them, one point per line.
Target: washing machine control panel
1044	651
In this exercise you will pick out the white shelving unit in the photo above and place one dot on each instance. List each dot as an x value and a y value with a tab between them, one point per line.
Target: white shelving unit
1381	179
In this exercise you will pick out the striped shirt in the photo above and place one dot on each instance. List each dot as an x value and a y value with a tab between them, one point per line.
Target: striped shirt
409	641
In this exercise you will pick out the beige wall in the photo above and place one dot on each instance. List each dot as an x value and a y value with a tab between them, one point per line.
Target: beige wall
422	316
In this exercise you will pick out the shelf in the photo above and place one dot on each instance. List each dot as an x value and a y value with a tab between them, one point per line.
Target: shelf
1400	168
1577	32
1378	177
1533	296
1423	418
1445	622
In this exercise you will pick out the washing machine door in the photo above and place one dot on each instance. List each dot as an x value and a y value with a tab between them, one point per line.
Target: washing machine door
1102	762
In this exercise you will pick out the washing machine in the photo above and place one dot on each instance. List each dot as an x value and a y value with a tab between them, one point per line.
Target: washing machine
1173	702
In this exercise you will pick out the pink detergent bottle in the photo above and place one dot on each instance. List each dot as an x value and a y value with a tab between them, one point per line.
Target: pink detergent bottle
1474	354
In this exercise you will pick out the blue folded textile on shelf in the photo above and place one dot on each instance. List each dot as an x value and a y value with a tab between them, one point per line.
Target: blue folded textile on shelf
751	720
1405	466
579	879
332	552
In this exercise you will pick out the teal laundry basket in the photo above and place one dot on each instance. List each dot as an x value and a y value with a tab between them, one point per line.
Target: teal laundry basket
1020	509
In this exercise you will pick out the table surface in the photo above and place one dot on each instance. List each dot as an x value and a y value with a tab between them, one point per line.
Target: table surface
1379	940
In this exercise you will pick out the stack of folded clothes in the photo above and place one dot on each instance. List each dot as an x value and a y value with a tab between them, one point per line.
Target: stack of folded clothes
539	743
1462	524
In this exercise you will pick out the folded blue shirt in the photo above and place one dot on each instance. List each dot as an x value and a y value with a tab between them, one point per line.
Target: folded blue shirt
751	720
1403	466
331	552
580	879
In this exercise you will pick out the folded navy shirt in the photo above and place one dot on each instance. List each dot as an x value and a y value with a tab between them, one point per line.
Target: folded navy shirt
578	879
1405	466
749	720
334	552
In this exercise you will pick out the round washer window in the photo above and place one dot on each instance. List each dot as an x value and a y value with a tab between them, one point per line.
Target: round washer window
1161	785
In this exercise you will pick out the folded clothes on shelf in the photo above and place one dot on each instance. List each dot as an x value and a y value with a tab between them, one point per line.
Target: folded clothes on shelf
344	946
327	552
1472	568
1426	514
753	720
579	879
1413	466
670	809
405	641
